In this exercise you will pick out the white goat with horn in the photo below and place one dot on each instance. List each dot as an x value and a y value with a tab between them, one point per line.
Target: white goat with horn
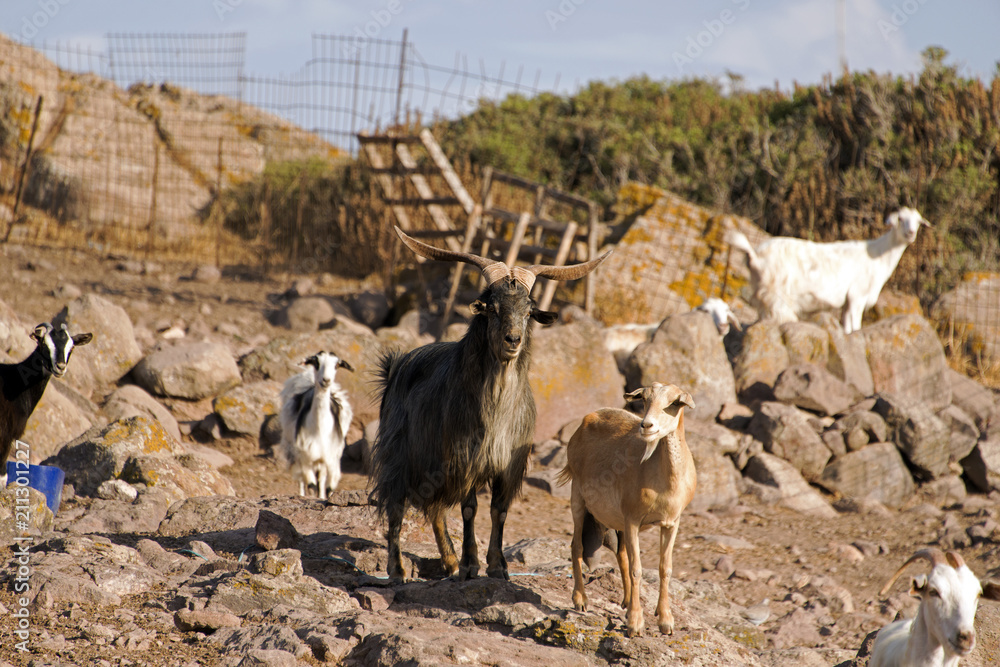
942	632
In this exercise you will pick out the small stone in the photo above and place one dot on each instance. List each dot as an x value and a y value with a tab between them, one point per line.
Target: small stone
274	531
117	489
189	620
375	599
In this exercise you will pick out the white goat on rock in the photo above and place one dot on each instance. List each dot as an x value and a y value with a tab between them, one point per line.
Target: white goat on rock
793	278
315	416
942	632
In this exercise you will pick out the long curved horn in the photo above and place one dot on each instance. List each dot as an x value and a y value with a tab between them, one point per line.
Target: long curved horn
526	276
933	555
492	270
954	559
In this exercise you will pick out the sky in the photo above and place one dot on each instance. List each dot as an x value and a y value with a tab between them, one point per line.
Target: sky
576	41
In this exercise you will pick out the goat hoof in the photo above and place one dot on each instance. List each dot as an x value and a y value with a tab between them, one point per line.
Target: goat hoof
667	628
466	573
633	632
498	573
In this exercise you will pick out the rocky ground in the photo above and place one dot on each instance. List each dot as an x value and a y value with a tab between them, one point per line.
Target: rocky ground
158	572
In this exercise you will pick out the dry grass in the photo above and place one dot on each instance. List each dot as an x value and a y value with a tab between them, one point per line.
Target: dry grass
966	354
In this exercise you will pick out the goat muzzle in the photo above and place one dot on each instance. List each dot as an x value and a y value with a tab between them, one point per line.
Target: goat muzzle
964	642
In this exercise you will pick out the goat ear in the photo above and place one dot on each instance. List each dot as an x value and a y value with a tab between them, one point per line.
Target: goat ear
892	219
734	321
991	591
312	361
686	399
82	339
40	331
543	317
634	395
346	366
918	586
477	307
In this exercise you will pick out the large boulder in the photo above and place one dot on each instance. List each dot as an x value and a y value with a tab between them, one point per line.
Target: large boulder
793	491
760	361
189	370
114	351
131	400
806	343
846	356
972	309
907	359
814	388
924	438
15	502
15	341
307	313
686	351
101	454
787	432
982	465
179	477
243	409
974	400
55	421
572	374
671	257
281	358
718	481
876	472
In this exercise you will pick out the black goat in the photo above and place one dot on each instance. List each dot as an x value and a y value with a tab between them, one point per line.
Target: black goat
457	416
22	384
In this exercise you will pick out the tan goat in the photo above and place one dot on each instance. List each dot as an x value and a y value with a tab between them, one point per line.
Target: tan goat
624	481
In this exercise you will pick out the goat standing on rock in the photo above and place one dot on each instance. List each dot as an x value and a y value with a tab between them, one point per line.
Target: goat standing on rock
23	383
459	415
793	278
629	473
315	416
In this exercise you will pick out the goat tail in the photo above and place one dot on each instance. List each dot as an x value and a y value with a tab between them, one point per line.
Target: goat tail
739	241
384	366
565	476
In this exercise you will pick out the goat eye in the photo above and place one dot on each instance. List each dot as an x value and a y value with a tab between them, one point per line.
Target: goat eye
934	593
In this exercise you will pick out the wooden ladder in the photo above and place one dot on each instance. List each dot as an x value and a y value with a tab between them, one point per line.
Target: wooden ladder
401	164
536	236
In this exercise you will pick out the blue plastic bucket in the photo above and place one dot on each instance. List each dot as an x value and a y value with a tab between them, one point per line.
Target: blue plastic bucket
46	479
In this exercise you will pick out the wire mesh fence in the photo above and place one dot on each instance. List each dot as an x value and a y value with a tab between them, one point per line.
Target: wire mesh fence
165	145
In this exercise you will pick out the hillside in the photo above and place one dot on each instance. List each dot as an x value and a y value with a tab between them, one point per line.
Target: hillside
823	162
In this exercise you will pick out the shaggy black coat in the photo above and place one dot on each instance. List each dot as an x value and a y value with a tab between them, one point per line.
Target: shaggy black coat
455	417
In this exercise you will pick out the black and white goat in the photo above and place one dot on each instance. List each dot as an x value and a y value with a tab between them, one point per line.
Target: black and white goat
460	415
22	384
315	416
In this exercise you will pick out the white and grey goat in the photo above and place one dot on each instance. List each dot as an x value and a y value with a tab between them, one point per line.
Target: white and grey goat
793	278
315	415
942	632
